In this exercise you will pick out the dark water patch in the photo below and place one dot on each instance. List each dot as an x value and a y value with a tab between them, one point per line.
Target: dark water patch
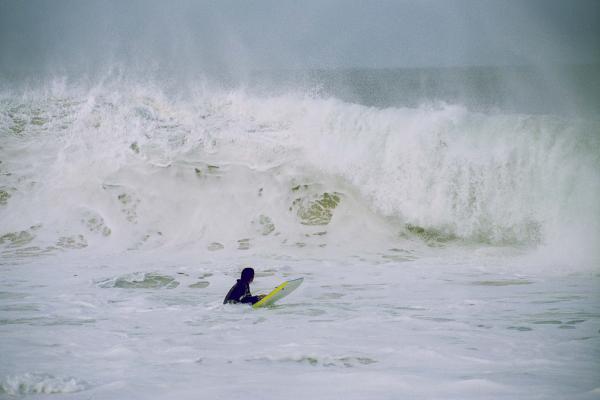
215	246
27	252
317	361
140	281
13	295
265	272
295	274
150	239
314	209
129	206
559	299
530	233
16	239
331	296
583	338
502	282
47	321
67	322
199	285
411	308
72	242
264	225
175	300
95	223
360	288
38	121
116	301
135	147
433	319
4	196
399	311
209	170
432	237
557	316
310	312
37	384
398	257
575	321
244	244
402	251
354	361
548	322
520	328
38	286
19	321
21	307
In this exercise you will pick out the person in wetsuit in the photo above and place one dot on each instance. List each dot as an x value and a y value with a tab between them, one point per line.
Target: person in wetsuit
240	292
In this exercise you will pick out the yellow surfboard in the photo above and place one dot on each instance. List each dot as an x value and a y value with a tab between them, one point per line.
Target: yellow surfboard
279	292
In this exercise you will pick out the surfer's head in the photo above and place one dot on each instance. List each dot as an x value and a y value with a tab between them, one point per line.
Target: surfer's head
248	275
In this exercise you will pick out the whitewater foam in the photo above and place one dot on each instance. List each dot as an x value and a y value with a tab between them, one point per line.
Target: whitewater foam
129	168
36	383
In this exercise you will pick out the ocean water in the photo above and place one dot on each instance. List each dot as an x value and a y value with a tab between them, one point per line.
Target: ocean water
448	238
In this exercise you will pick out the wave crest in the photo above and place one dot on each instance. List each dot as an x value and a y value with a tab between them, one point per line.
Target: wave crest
132	166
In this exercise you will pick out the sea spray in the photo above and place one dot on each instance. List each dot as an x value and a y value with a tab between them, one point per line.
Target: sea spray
129	167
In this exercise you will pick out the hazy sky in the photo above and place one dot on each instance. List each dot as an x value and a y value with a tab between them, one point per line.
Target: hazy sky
246	34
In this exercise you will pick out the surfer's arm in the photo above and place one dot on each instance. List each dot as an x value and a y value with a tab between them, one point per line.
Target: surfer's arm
252	299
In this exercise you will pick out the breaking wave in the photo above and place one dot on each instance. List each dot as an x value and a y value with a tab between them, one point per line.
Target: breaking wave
130	167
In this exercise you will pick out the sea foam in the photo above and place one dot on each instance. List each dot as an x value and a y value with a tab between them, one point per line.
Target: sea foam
129	167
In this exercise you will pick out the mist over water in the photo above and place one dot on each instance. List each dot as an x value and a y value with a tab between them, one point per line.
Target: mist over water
431	169
519	56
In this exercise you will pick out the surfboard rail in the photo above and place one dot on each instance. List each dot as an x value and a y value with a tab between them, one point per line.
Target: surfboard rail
279	292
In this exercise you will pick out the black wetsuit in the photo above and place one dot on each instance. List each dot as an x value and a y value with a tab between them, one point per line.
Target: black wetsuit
240	293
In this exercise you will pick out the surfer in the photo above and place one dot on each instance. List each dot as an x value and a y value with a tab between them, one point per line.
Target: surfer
240	292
